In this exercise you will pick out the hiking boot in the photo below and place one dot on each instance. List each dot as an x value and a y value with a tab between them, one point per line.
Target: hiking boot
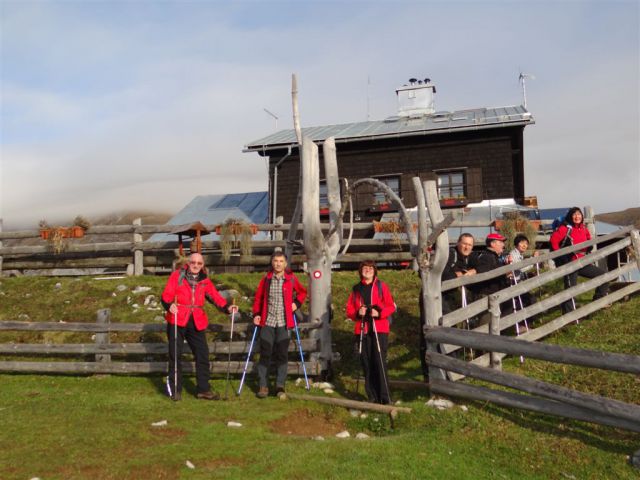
263	392
280	392
208	395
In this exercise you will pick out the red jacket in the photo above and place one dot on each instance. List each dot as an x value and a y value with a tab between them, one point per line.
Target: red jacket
291	284
191	301
385	304
579	233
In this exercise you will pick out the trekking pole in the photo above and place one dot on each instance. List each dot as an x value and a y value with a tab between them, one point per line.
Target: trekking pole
304	368
246	364
233	316
463	293
360	352
515	309
384	375
526	324
175	349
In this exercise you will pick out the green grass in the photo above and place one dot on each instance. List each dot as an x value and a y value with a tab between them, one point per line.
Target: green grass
99	427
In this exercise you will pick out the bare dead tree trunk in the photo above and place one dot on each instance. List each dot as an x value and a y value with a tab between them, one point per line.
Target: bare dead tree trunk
295	219
320	251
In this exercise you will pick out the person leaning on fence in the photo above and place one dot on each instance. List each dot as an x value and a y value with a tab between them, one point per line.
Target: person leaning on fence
370	305
490	259
183	299
279	295
571	232
521	245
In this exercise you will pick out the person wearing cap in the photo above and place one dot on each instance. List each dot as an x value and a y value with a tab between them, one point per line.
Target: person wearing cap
490	259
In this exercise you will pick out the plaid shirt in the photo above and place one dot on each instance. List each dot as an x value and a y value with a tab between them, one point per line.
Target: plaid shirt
275	317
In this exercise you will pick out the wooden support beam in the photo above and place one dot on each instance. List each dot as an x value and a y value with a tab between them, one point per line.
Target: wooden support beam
526	402
341	402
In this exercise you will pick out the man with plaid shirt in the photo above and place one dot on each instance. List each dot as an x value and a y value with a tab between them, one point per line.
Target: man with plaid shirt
278	296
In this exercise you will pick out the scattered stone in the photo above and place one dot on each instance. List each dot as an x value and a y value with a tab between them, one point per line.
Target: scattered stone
234	424
362	436
354	413
148	299
343	434
567	475
328	391
114	294
189	464
141	289
57	285
440	403
398	402
158	318
161	423
27	295
2	294
298	381
464	408
23	316
67	302
364	415
322	385
128	300
635	460
135	305
121	288
320	438
93	337
35	478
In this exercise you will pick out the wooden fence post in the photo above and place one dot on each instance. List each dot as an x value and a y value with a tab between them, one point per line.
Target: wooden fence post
277	235
138	255
0	248
494	328
635	241
103	317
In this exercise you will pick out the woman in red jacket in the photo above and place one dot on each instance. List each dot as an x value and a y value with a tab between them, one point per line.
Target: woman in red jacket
278	296
571	232
370	305
183	298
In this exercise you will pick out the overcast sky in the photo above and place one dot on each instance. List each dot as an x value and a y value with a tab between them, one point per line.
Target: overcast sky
110	106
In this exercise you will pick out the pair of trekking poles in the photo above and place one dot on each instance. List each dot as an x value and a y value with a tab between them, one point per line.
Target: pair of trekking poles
253	339
375	334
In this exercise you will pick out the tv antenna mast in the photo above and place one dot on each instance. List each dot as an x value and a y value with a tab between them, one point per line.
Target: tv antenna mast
275	117
522	79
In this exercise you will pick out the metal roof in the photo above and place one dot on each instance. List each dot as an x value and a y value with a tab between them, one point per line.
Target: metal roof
252	207
397	127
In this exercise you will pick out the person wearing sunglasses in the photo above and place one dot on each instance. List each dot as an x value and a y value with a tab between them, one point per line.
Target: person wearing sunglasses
183	299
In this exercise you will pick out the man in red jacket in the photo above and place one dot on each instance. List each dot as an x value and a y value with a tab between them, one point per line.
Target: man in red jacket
183	298
370	305
278	296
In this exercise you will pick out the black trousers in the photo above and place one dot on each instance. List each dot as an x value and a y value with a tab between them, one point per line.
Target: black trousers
374	367
197	341
274	345
571	280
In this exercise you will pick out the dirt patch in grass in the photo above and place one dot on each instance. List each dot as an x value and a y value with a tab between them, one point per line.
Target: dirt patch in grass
304	423
223	462
164	432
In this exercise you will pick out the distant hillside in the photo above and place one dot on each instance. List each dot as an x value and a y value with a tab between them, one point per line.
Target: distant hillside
630	216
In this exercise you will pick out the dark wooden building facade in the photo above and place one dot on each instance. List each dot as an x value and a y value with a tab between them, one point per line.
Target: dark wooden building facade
474	155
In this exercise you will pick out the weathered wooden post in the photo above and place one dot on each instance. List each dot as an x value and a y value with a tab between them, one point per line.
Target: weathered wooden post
494	328
102	338
635	242
320	252
138	254
277	235
0	248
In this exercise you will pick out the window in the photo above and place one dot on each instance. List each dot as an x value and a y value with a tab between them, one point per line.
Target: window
451	184
324	194
393	182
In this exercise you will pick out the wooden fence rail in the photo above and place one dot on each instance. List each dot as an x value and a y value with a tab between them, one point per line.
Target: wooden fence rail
103	349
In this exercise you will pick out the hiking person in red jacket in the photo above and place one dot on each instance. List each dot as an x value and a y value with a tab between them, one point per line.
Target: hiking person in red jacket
183	299
571	232
370	305
278	296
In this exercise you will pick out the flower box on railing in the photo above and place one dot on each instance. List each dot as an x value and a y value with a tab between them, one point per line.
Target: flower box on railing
238	229
62	232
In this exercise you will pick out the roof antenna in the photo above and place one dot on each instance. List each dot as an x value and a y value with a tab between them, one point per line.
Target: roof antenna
368	99
522	78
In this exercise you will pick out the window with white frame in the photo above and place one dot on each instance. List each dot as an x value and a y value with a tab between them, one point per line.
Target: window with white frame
451	184
393	182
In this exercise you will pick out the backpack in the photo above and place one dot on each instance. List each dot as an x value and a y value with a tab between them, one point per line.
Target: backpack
567	241
358	287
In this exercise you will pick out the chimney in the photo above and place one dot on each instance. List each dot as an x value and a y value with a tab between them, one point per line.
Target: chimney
416	98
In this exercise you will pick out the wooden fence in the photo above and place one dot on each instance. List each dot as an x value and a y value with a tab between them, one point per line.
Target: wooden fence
102	351
444	340
136	256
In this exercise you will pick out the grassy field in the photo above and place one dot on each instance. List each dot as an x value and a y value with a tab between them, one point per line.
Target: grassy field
100	427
